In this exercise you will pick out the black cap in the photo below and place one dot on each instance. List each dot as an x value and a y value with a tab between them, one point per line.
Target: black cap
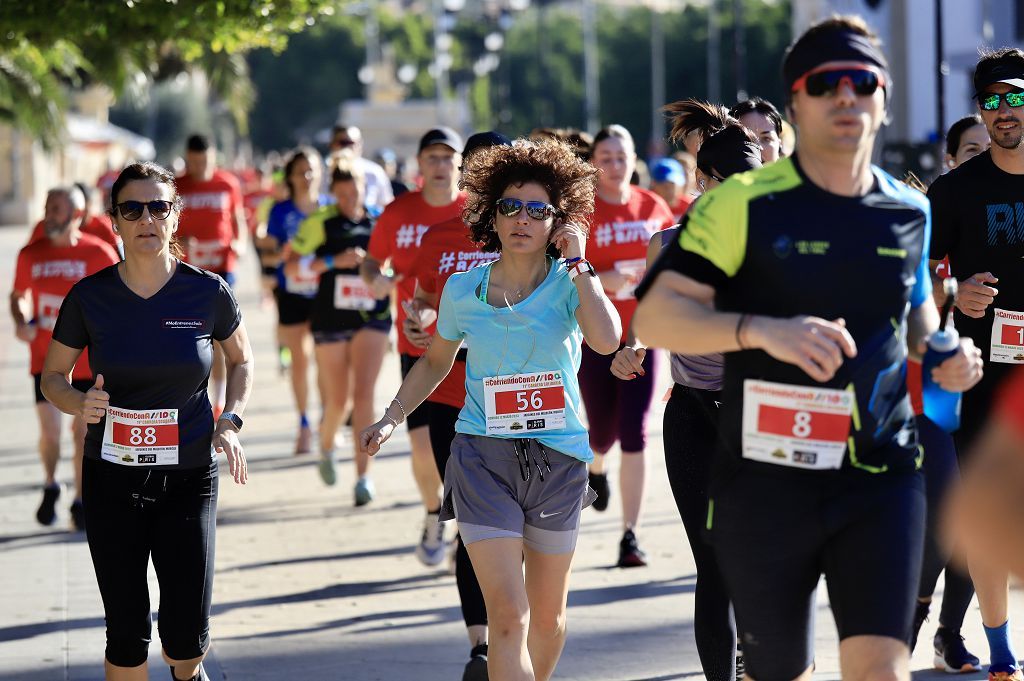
1008	68
485	139
197	143
442	135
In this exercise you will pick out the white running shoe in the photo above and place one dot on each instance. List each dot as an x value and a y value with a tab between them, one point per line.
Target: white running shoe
432	548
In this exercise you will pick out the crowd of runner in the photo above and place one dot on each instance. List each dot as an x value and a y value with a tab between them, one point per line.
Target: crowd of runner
529	287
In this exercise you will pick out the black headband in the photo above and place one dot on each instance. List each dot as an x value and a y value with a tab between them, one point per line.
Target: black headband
727	152
814	49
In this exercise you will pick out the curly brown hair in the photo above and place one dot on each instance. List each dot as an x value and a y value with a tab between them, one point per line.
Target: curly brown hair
554	165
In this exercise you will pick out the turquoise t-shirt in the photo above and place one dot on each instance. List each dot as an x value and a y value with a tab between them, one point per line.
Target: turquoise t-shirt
539	334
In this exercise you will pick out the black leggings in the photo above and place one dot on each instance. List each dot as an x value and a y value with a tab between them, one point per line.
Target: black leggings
442	432
691	432
941	472
134	513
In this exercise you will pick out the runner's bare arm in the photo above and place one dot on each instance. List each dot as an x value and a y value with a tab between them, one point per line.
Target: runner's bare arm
57	389
19	313
241	230
239	361
372	272
678	314
922	321
597	317
425	375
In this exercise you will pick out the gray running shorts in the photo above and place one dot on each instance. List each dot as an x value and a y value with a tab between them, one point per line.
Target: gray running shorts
486	492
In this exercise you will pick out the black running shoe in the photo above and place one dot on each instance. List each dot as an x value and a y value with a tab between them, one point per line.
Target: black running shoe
741	667
78	515
200	675
599	483
46	514
920	615
951	655
476	668
630	554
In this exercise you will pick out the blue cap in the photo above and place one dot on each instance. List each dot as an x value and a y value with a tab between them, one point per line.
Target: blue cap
668	170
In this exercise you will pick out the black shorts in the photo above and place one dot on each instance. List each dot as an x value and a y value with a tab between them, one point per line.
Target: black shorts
775	534
345	335
292	308
80	385
421	415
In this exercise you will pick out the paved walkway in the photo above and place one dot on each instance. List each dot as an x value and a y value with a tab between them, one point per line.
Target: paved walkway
309	587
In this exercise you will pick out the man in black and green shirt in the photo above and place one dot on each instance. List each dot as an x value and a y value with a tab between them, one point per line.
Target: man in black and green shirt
811	275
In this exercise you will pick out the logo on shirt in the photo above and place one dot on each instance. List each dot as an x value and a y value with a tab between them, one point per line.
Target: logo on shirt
183	323
410	234
208	201
463	261
625	232
59	269
1006	220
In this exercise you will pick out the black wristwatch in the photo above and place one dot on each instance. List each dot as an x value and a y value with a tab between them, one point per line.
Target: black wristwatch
233	418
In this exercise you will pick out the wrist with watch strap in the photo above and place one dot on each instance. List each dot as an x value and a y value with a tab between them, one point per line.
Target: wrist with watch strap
232	418
578	266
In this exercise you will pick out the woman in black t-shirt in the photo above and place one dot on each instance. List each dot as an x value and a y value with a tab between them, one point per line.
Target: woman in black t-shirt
150	474
350	326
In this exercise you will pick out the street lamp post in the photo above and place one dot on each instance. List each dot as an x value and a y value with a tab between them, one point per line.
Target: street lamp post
591	84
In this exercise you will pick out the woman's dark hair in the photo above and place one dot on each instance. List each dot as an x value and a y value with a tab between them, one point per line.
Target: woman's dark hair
569	181
761	106
307	154
613	130
714	124
957	130
147	170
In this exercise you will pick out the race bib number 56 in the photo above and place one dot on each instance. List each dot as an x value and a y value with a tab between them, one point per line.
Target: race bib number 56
141	437
520	403
798	426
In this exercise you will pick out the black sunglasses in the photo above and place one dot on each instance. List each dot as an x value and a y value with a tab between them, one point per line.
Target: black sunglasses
863	82
989	101
132	210
538	210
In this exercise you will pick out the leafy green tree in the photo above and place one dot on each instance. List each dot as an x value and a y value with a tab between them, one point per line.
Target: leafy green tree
46	45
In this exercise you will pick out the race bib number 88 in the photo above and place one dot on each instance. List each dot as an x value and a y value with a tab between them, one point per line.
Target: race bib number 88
798	426
141	438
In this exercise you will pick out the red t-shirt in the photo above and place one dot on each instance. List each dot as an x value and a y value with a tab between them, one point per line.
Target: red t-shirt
396	237
97	225
618	240
209	218
444	250
49	272
1010	409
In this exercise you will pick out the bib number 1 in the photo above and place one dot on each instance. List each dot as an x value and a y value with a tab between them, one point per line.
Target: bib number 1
1007	345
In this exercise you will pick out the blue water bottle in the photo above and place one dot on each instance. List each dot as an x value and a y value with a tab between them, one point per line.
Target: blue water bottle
940	405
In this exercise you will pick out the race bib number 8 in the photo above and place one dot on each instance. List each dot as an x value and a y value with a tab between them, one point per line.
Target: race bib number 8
798	426
141	438
1007	337
520	403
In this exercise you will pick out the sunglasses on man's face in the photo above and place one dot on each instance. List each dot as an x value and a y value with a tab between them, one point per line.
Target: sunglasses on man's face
132	210
538	210
862	81
989	101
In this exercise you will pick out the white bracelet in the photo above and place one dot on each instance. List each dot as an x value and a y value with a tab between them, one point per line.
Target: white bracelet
402	407
391	418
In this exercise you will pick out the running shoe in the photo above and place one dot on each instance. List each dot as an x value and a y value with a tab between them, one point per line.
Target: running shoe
952	657
46	514
630	554
284	360
200	675
78	515
920	615
432	548
304	442
599	483
741	667
326	468
1004	675
476	668
364	491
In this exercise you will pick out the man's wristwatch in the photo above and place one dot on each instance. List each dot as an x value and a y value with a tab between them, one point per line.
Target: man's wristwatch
233	418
